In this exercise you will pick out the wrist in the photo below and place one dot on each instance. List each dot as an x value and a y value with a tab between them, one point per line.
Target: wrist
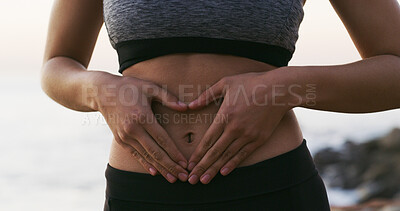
93	91
301	86
286	89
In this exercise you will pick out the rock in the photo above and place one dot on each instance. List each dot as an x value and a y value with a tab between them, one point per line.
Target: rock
372	167
392	140
376	204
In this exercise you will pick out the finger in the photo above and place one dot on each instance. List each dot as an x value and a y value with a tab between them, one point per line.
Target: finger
146	165
242	154
166	98
211	94
212	155
210	137
213	170
162	138
158	155
163	171
167	175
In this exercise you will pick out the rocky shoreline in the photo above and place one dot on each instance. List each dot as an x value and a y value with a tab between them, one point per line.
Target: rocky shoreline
372	168
373	205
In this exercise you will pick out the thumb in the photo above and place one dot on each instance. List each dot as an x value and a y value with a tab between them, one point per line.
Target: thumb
169	100
211	94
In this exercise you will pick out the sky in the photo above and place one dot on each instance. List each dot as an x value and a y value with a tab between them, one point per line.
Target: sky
322	38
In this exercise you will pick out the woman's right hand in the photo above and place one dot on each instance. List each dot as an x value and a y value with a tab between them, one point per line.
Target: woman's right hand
125	103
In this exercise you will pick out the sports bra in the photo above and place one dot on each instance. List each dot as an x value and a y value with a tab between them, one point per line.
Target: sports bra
263	30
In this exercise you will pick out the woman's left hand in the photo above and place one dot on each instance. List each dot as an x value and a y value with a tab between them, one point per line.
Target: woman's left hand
253	105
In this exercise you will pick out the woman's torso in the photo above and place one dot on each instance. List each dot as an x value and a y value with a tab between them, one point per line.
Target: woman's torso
193	73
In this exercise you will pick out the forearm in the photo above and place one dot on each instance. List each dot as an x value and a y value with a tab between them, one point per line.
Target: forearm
369	85
67	82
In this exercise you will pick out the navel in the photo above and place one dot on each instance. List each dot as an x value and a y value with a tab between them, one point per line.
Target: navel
189	137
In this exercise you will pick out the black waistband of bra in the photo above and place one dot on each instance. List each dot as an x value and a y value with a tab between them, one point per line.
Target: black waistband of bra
134	51
278	173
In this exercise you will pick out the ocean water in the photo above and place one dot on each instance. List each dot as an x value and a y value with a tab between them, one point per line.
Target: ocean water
53	158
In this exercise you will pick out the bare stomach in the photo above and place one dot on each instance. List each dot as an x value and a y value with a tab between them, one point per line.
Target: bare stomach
187	75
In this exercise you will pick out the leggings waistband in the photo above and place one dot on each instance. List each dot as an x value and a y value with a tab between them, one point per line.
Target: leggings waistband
277	173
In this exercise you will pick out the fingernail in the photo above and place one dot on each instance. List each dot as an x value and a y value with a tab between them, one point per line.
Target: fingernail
171	178
183	164
152	171
182	104
193	179
225	171
191	166
192	103
205	179
182	176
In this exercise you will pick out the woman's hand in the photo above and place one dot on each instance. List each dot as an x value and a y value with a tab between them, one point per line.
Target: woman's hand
253	105
125	102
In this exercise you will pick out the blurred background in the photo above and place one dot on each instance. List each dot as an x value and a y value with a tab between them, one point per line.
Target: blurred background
51	156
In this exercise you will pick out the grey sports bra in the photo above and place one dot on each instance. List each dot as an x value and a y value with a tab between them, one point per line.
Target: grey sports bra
263	30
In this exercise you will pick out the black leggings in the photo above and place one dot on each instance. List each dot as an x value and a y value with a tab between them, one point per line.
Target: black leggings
286	182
